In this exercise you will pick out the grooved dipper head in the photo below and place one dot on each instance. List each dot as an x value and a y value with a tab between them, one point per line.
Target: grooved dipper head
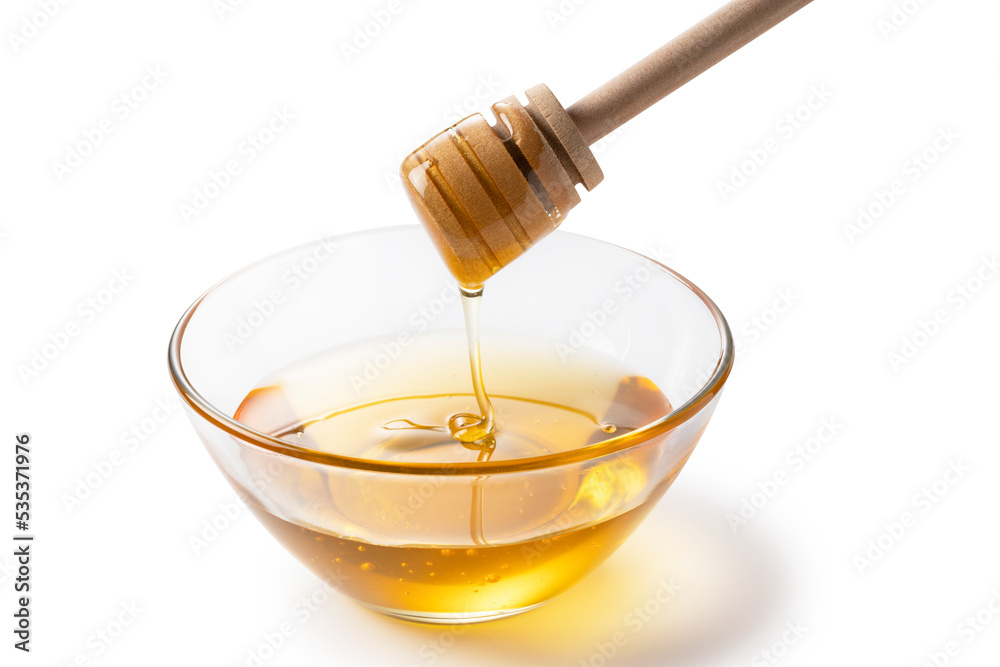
486	194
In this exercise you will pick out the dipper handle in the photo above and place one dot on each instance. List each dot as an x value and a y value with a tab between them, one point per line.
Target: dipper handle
487	193
674	64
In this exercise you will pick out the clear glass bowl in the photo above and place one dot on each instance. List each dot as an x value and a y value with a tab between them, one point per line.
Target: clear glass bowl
571	293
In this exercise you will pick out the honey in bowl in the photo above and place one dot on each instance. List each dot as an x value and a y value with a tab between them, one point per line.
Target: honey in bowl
333	417
495	545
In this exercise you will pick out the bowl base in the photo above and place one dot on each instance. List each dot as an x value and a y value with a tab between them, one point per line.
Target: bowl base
465	618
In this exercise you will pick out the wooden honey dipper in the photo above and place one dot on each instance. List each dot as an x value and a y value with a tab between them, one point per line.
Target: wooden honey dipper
486	194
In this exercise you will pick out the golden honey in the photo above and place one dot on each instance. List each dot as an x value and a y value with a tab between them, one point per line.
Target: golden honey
435	545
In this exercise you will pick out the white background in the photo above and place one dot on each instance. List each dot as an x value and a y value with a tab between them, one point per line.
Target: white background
785	230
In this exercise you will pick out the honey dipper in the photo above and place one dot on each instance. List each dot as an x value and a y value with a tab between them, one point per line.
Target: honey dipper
486	194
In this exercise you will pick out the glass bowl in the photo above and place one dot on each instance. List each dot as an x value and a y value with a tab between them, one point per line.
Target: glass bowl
394	534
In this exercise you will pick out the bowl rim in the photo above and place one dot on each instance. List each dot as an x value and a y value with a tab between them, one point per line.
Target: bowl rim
220	420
